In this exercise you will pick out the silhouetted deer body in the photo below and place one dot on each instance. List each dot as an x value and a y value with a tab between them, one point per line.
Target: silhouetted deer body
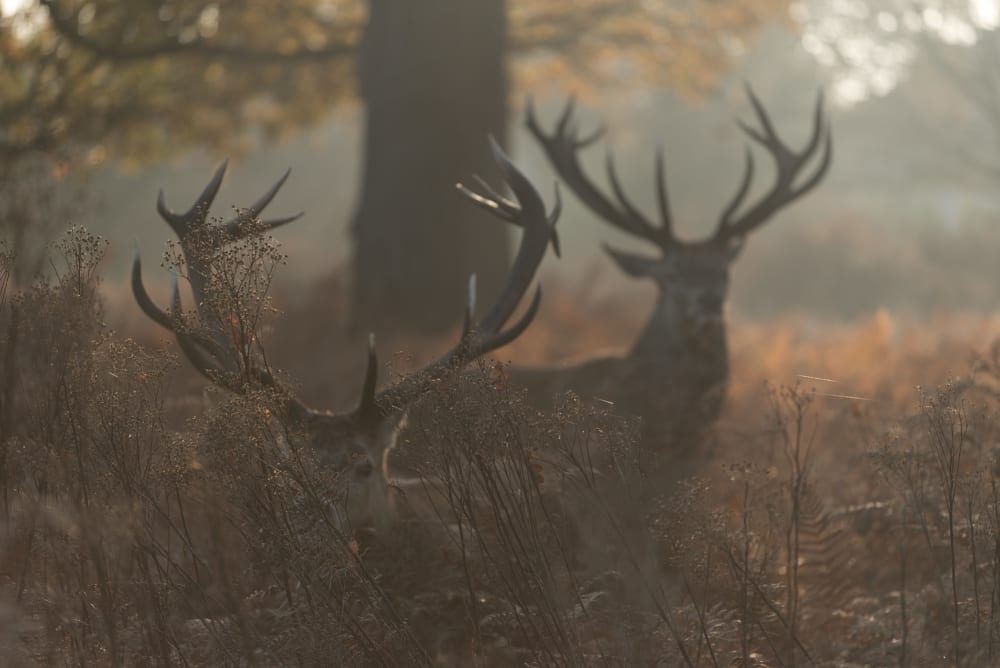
676	373
356	443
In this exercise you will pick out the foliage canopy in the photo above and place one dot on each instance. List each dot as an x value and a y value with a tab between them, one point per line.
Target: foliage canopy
138	80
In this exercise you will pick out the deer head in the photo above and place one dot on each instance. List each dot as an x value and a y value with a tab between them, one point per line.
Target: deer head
692	277
356	442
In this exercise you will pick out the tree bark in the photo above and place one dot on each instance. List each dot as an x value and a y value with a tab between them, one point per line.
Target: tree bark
434	83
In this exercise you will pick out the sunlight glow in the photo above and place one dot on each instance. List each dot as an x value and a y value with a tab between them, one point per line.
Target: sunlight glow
985	13
870	49
8	7
24	17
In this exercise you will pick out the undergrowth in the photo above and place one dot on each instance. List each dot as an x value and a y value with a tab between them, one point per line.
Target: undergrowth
820	531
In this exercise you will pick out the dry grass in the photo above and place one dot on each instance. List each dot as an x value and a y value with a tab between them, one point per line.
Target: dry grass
840	516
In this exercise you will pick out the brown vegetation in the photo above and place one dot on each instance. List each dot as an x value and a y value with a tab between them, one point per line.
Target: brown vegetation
855	522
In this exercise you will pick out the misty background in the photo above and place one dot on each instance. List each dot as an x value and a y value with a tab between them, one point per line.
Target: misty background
906	220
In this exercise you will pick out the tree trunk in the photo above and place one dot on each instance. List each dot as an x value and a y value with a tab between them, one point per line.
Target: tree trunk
433	80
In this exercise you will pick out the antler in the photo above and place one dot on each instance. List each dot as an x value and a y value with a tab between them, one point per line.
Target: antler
207	348
563	145
496	204
489	333
789	165
562	148
215	357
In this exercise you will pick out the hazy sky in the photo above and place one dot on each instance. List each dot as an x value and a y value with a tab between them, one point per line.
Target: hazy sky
869	46
846	234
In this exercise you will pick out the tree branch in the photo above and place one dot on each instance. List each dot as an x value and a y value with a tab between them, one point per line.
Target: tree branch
66	26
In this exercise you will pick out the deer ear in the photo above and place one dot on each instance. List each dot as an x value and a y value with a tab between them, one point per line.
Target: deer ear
635	266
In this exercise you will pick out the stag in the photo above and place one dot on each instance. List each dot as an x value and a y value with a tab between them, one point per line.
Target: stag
357	442
675	375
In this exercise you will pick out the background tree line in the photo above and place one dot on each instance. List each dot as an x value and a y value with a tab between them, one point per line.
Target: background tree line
139	81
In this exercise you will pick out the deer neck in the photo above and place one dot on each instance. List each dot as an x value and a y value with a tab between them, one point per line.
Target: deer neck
677	376
673	350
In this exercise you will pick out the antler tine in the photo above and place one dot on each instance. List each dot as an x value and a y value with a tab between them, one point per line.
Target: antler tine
210	365
172	321
368	410
631	210
176	310
146	304
821	169
490	201
489	333
821	132
470	308
554	215
566	117
741	193
182	223
790	165
819	129
510	211
201	351
255	209
662	195
534	241
764	119
272	223
209	352
565	129
562	148
565	125
483	184
234	227
501	338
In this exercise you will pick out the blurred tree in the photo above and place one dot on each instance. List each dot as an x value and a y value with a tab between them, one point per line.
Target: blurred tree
937	58
35	202
433	82
136	80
